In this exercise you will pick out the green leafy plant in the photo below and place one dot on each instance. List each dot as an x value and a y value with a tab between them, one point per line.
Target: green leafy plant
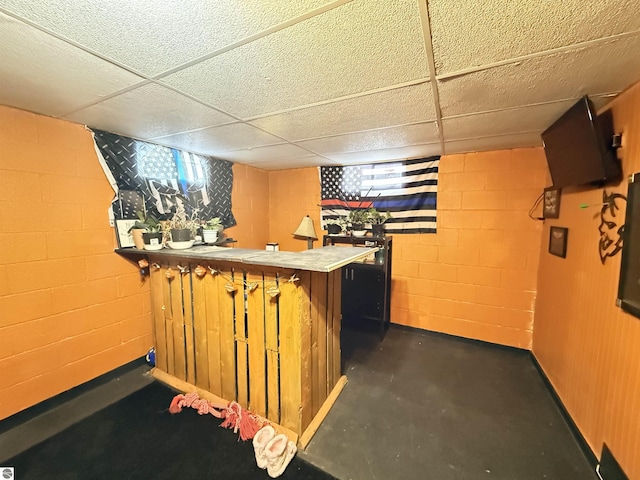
376	217
213	224
358	216
148	223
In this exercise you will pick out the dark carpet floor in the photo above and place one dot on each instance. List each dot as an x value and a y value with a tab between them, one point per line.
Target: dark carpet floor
137	438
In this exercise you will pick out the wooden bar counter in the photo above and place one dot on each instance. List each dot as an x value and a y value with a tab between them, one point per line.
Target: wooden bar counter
255	326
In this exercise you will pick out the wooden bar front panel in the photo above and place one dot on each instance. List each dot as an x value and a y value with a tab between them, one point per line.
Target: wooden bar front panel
266	338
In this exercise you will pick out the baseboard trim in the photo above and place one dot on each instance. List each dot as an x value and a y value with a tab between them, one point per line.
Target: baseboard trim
57	400
580	440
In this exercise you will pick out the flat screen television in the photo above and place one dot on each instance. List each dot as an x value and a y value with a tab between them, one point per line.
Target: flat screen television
578	147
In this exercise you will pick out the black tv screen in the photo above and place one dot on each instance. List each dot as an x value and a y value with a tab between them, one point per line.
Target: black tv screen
578	148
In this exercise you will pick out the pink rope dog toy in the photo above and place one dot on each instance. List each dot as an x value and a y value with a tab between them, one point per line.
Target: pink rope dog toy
235	417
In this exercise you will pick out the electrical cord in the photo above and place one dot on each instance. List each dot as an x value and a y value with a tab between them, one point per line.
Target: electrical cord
535	205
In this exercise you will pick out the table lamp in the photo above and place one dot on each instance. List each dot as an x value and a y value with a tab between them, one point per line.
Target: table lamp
306	230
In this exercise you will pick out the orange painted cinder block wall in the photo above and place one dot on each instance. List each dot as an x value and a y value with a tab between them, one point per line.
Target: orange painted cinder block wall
250	206
70	309
476	277
587	346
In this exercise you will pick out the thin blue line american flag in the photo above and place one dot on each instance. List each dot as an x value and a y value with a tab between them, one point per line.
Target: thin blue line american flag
406	189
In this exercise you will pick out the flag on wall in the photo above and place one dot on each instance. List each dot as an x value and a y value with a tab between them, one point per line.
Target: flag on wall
406	189
161	175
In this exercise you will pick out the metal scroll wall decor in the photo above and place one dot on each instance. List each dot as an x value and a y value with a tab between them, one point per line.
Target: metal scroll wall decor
611	227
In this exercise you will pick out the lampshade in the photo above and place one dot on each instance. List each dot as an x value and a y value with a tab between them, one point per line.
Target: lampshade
305	229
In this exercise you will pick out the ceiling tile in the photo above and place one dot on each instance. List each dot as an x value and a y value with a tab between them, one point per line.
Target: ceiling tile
43	74
217	140
358	47
605	68
379	139
533	118
500	142
148	112
152	37
263	154
483	32
385	109
413	151
300	162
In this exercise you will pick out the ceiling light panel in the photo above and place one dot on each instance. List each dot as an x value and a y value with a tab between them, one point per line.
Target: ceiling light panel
216	140
487	31
153	36
149	111
357	47
399	106
374	139
605	68
43	74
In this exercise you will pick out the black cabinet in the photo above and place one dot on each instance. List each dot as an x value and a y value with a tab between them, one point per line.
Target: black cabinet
366	285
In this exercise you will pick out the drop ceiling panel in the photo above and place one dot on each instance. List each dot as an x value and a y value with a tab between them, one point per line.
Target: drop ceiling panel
148	112
392	107
533	118
264	154
358	47
499	142
301	162
374	139
605	68
151	36
371	156
467	34
216	140
46	75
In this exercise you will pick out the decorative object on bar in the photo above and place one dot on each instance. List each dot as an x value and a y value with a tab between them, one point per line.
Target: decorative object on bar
211	229
306	230
377	219
182	227
357	218
335	226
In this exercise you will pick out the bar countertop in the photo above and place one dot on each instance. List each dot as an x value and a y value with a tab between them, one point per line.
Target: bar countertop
325	259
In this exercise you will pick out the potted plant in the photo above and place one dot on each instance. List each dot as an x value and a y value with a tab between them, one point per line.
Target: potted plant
357	218
182	227
377	219
210	230
335	225
146	231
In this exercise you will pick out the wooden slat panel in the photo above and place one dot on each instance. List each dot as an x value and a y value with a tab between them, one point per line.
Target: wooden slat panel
306	413
180	360
318	339
227	335
199	290
168	320
329	347
256	341
290	320
157	301
189	334
271	343
215	294
242	372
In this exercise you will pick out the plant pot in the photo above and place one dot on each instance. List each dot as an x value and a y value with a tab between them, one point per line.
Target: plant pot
377	229
152	240
136	234
209	236
180	234
357	229
333	229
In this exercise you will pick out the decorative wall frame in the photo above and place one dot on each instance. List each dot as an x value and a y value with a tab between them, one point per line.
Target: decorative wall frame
125	239
551	203
558	241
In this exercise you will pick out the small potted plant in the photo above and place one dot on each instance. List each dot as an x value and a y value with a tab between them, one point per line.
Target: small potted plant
377	219
210	230
357	218
182	227
335	225
146	231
